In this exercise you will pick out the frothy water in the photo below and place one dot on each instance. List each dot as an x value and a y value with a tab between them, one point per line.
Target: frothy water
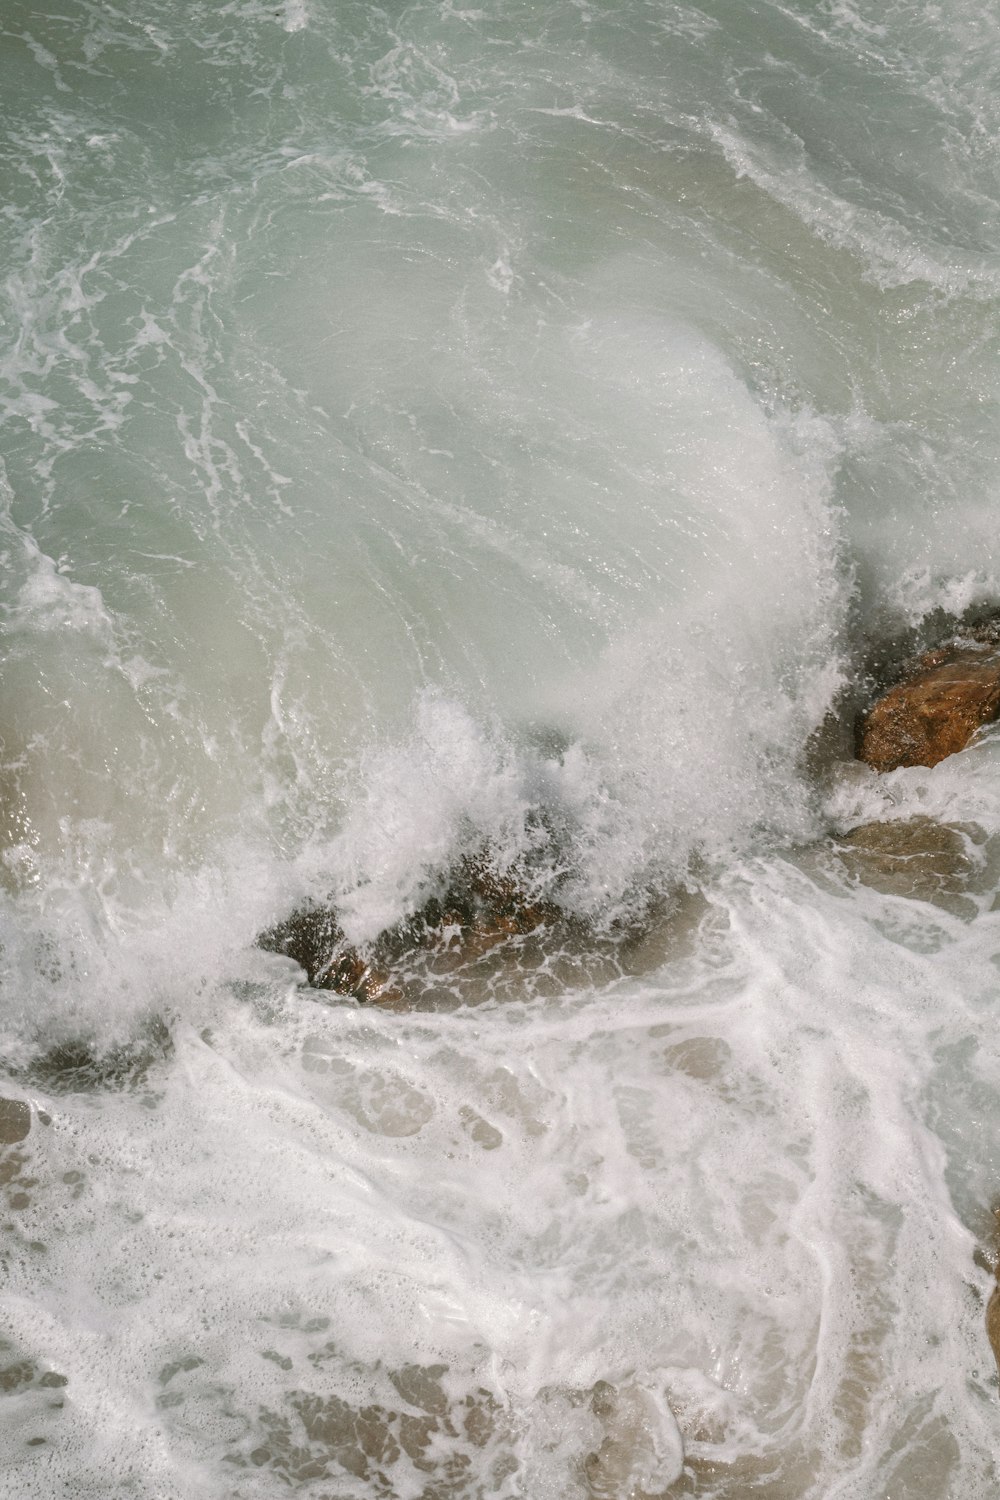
522	427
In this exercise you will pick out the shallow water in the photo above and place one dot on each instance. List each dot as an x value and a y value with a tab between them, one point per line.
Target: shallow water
524	426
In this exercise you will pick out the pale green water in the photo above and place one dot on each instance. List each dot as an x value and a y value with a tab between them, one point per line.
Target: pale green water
418	419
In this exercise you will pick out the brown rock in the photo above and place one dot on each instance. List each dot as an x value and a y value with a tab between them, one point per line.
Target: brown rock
480	909
947	695
993	1324
313	938
989	1261
501	901
914	857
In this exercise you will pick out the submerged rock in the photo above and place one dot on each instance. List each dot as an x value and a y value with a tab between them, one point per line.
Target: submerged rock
993	1324
319	1437
15	1121
914	857
944	698
493	933
78	1065
991	1261
641	1455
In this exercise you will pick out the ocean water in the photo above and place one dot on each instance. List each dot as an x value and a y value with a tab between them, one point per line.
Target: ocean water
530	427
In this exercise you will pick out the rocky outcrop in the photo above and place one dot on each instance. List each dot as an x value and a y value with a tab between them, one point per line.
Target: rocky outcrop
78	1065
313	938
943	699
481	908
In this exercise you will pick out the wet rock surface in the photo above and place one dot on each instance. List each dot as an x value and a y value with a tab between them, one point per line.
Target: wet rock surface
915	857
993	1324
328	1438
942	699
313	938
78	1065
15	1121
990	1260
641	1453
494	931
493	943
481	909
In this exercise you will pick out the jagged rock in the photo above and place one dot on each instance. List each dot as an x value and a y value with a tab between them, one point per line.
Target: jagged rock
312	936
944	697
990	1261
914	857
481	908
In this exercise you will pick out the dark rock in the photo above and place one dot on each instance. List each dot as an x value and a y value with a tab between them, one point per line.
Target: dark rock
492	932
15	1121
990	1260
480	908
993	1324
16	1376
312	936
944	697
77	1065
318	1437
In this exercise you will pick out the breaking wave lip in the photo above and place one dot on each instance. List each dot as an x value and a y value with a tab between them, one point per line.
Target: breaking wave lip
553	810
622	848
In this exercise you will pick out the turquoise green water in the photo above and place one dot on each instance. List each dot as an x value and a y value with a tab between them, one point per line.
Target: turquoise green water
423	425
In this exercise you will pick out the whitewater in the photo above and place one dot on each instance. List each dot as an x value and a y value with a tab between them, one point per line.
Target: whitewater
532	427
